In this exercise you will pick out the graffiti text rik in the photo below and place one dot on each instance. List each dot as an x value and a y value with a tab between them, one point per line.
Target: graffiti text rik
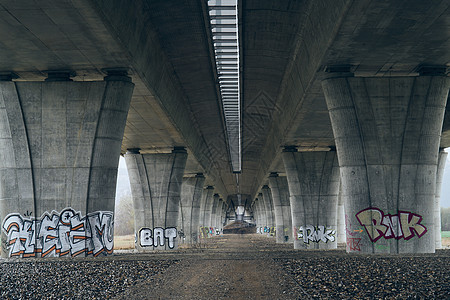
60	234
315	234
402	225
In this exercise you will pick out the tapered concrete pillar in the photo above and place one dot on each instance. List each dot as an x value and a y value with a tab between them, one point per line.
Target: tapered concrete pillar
59	152
191	195
218	219
215	203
437	205
340	233
156	181
283	218
270	212
313	180
205	211
387	135
261	219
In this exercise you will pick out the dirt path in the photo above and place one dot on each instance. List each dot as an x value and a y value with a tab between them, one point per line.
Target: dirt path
234	267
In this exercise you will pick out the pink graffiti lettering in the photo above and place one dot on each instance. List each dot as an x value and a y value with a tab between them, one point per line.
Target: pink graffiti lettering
402	225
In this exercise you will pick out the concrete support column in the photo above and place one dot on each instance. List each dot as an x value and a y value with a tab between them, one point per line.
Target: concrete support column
283	218
261	215
59	151
205	211
270	212
313	180
156	181
218	219
214	205
340	234
191	195
387	135
437	205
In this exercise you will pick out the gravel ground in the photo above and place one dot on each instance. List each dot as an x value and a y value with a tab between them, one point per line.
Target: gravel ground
75	279
231	267
372	277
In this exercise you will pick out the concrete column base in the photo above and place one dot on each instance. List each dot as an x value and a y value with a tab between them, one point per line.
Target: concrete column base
59	152
191	194
387	134
282	208
437	204
205	212
156	181
313	179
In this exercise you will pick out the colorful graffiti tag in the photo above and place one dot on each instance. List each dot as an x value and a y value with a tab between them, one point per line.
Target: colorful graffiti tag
60	234
401	225
157	237
310	233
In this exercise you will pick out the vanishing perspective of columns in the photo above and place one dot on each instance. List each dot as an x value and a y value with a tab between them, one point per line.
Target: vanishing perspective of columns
387	134
437	204
156	181
313	180
60	145
281	205
191	195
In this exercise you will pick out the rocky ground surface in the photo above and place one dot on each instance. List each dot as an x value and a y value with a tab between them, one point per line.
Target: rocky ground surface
231	266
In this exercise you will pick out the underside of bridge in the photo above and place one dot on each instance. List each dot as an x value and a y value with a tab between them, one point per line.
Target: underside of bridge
286	50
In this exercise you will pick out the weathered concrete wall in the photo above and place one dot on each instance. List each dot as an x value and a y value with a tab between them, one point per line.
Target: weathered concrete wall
313	179
60	146
437	204
191	194
387	134
282	208
156	181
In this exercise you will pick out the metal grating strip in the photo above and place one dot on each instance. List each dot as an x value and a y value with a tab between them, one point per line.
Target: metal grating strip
223	17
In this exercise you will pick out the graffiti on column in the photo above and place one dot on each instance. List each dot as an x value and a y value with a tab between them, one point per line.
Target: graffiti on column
378	225
273	231
206	232
353	243
310	233
60	234
157	237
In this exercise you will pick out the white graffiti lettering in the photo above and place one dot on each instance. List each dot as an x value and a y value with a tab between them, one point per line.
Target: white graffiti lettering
58	234
315	234
157	237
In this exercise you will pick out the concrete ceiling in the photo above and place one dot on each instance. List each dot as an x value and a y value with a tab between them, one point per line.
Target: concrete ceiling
285	46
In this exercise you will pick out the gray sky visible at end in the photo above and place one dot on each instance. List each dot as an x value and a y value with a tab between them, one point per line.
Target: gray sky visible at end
123	184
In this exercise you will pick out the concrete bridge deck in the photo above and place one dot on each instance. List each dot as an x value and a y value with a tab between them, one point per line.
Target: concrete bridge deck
231	267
